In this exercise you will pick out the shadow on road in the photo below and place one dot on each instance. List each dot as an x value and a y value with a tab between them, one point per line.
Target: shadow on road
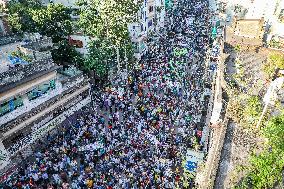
224	165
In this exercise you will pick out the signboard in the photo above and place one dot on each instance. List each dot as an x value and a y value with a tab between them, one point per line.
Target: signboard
192	160
75	43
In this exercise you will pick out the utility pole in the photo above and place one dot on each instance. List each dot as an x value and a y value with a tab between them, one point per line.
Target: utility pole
117	59
276	84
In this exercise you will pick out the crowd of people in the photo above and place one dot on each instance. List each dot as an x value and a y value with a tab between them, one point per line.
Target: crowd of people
141	128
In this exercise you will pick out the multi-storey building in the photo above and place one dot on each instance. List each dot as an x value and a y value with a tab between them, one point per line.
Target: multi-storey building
150	18
36	95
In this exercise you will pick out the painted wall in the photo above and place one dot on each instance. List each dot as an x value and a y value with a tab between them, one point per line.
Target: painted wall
85	40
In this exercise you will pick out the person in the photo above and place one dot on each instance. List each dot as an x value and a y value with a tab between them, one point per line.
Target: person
132	139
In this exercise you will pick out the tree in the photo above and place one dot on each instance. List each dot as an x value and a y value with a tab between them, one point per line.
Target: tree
108	21
66	54
99	55
265	169
53	21
108	18
31	16
275	60
19	15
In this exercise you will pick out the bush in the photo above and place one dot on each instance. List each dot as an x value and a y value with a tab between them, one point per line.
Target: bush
275	60
265	169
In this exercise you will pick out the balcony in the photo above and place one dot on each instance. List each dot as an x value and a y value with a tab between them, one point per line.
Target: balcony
64	85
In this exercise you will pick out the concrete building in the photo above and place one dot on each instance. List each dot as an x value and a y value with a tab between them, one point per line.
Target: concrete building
4	26
35	96
150	18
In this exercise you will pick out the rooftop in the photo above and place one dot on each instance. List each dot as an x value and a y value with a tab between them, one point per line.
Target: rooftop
4	52
23	61
24	73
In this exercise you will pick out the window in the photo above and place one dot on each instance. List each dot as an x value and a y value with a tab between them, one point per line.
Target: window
150	23
151	9
142	27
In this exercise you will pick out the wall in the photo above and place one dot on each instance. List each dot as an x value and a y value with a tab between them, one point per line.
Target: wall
67	3
46	125
256	10
2	29
4	157
85	40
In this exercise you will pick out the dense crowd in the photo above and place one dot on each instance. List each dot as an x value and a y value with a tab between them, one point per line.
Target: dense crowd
141	128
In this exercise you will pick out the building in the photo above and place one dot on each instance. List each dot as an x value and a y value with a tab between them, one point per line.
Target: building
150	18
249	28
3	3
36	95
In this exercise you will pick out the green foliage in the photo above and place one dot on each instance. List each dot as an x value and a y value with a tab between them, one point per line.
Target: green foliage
19	54
265	169
252	110
108	19
97	65
274	44
275	132
237	48
245	110
53	21
66	54
99	55
275	60
30	16
19	15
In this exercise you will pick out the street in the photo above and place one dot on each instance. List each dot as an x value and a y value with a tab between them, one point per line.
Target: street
142	126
